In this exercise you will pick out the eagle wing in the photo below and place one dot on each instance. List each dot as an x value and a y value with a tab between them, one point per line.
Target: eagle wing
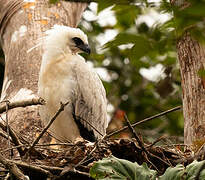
90	107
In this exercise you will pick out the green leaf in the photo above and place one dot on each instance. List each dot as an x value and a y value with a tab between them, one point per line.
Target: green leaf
104	4
140	49
193	169
126	15
114	168
53	1
124	38
175	173
179	172
196	9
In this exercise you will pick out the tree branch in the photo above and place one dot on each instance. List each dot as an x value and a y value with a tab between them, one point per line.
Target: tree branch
145	120
140	143
62	106
14	138
13	169
32	167
24	103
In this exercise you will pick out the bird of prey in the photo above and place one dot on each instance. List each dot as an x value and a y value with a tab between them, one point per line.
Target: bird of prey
66	77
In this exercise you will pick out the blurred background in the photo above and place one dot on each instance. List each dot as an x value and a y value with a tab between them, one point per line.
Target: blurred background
134	53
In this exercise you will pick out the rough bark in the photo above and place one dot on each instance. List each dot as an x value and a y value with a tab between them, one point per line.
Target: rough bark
191	56
22	24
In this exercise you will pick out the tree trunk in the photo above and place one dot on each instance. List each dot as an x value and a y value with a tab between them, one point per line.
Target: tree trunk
191	56
21	25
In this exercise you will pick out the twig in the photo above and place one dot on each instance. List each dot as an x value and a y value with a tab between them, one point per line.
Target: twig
145	120
13	169
4	170
167	159
7	127
191	158
156	141
82	173
54	137
91	152
15	147
51	168
31	167
141	144
24	103
13	137
151	154
83	160
146	157
7	176
3	135
62	106
56	144
172	145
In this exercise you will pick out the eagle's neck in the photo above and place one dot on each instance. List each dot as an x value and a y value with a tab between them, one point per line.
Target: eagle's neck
50	58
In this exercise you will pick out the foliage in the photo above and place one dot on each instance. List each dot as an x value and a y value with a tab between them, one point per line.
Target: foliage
138	46
114	168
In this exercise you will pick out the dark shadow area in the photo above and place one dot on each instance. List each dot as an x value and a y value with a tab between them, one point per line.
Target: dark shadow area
2	67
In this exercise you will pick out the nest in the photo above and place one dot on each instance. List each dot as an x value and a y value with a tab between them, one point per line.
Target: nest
74	160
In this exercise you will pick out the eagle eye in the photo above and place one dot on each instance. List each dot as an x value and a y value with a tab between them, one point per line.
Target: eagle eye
77	41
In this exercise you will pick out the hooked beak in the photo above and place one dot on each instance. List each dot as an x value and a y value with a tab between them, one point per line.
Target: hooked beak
84	47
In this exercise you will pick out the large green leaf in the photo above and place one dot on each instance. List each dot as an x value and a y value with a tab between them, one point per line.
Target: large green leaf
193	169
175	173
188	173
114	168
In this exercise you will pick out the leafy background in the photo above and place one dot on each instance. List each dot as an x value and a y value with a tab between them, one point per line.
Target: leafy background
138	47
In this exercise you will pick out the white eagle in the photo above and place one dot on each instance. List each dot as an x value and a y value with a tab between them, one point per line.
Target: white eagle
66	77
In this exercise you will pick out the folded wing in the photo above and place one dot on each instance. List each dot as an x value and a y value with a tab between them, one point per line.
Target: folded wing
90	106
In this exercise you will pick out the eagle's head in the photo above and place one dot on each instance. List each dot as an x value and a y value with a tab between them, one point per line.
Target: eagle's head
63	39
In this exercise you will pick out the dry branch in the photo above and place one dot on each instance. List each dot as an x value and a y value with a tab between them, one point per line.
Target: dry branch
14	138
13	169
62	106
15	104
144	120
4	135
31	167
24	103
83	160
141	144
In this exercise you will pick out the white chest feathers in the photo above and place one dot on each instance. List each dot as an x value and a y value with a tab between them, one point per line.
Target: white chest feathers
71	79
